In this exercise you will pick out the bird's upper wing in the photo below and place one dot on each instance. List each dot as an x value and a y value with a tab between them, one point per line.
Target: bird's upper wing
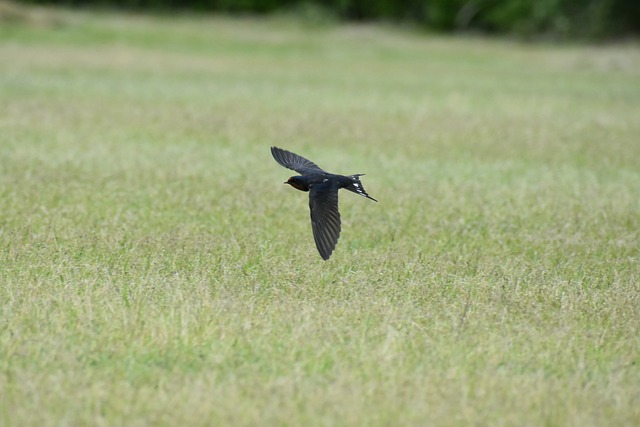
293	161
325	217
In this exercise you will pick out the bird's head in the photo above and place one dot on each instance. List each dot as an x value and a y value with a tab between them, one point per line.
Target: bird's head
297	182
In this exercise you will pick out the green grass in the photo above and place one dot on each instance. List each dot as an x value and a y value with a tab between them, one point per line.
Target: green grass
155	271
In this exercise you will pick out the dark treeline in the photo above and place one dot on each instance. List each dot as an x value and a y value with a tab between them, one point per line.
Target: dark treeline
593	19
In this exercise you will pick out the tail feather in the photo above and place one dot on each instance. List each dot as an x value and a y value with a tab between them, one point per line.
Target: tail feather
357	187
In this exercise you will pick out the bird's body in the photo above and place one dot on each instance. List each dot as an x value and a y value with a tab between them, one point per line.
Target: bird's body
323	196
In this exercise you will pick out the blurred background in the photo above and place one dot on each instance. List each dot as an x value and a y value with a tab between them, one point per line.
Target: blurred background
557	19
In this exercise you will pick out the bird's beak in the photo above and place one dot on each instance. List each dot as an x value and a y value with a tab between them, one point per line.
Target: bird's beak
285	182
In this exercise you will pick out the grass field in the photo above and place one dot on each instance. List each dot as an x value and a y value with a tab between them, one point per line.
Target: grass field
155	270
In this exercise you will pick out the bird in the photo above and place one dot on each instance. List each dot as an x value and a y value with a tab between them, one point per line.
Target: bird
323	196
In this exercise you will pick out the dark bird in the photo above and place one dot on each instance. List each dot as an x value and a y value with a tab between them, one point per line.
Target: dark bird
323	196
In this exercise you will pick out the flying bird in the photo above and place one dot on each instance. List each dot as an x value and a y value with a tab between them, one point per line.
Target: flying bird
323	196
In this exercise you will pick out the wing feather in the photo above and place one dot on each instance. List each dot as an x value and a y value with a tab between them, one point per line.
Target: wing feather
325	217
293	161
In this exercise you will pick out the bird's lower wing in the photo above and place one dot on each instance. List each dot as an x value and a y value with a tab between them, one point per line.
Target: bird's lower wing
325	218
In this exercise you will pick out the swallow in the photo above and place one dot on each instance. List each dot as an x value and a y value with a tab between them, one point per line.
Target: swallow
323	196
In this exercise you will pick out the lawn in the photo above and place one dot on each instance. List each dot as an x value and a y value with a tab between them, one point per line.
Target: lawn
155	271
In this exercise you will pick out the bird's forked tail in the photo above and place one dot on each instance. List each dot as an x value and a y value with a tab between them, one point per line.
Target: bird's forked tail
356	186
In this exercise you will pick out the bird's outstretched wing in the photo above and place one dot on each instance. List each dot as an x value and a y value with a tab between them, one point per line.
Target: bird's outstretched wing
293	161
325	217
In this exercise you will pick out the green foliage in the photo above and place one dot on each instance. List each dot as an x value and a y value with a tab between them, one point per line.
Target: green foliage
593	19
567	18
154	270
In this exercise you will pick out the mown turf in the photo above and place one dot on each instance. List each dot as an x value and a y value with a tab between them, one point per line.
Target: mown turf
156	271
